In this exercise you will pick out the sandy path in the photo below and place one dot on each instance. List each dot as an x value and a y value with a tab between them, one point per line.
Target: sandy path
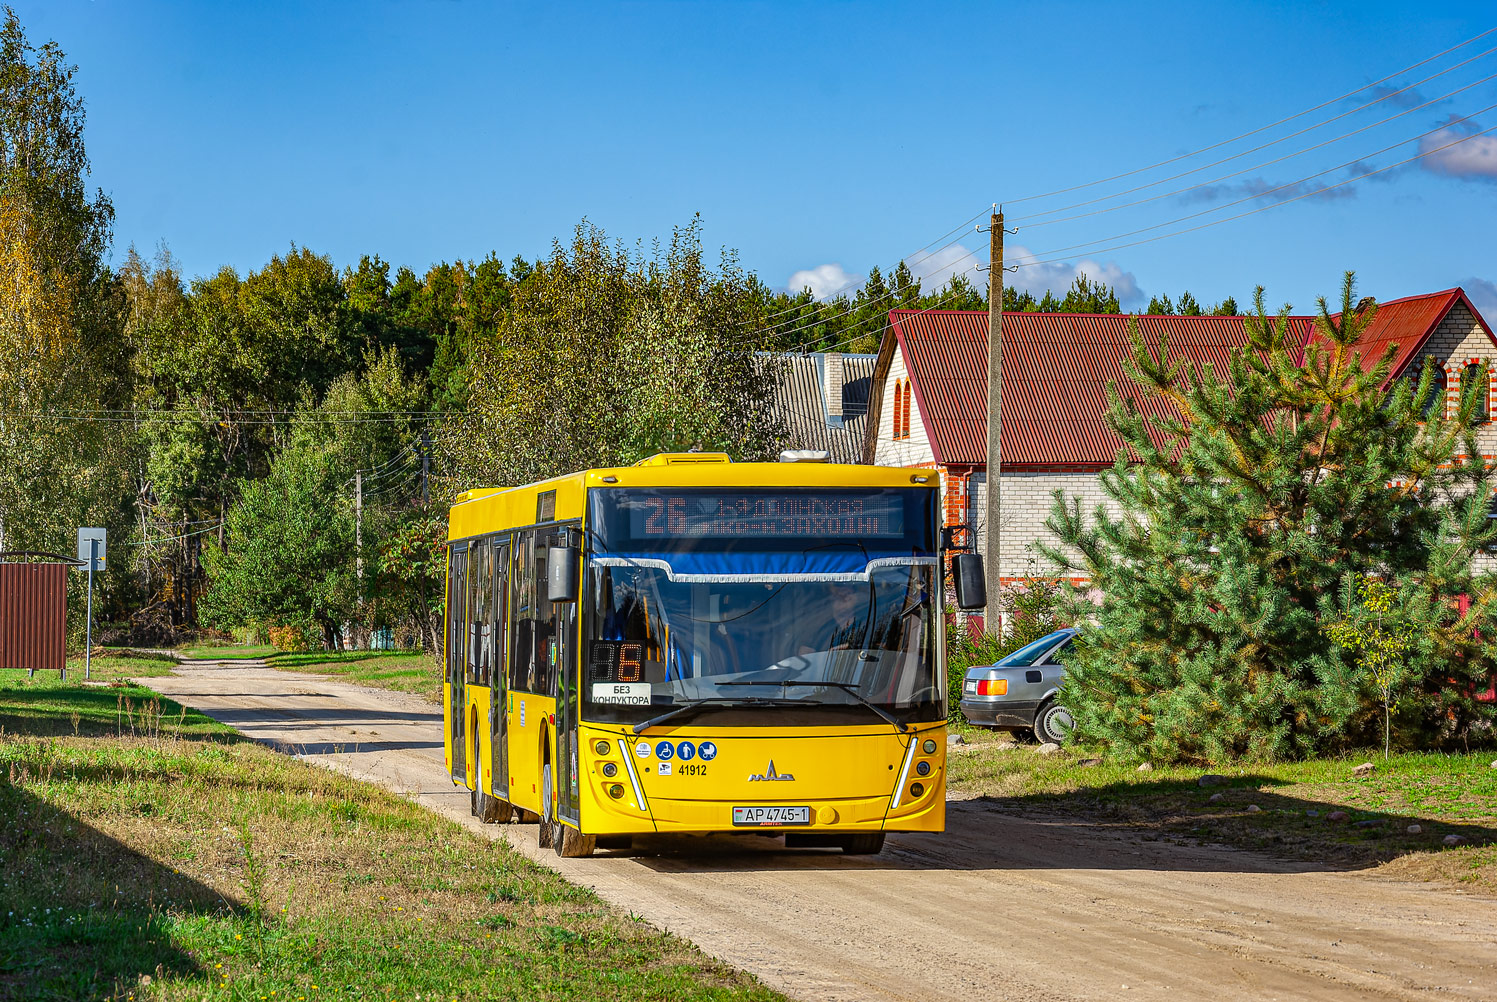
1001	906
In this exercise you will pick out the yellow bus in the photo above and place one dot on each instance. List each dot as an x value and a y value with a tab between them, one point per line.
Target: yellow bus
696	646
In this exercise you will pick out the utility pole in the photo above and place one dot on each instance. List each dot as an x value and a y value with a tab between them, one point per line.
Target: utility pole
992	620
358	544
358	529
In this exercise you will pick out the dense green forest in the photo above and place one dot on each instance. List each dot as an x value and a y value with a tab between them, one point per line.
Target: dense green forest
276	449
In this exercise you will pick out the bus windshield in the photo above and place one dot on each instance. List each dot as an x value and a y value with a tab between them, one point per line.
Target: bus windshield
793	607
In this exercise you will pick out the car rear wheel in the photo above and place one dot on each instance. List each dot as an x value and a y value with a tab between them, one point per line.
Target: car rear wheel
870	844
1053	723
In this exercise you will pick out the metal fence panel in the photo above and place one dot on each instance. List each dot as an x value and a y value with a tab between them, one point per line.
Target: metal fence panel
33	616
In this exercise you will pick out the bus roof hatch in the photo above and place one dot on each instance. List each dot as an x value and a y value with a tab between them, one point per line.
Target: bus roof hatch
678	458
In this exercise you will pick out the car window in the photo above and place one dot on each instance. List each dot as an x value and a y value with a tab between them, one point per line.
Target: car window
1059	655
1029	654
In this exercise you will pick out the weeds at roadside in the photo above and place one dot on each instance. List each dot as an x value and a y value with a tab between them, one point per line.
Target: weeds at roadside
176	860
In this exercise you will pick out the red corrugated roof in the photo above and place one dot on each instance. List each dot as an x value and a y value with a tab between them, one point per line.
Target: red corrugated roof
1407	323
1057	367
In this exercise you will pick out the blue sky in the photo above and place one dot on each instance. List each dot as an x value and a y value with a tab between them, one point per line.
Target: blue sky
817	139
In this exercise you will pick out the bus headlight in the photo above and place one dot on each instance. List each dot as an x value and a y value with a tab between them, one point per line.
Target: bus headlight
922	768
917	790
611	770
601	747
929	747
616	792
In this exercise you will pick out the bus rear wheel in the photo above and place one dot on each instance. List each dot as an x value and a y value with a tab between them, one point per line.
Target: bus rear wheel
497	811
570	843
544	835
870	844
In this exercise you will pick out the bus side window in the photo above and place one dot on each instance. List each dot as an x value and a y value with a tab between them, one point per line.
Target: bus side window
500	614
457	607
543	667
478	586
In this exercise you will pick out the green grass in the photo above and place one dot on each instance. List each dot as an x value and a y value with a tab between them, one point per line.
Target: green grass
113	664
231	651
403	671
1443	794
147	852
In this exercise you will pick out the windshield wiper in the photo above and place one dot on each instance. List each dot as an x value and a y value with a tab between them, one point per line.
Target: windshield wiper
707	702
847	687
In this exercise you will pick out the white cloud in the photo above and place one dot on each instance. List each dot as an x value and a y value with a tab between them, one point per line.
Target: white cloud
1475	157
1483	296
935	268
824	280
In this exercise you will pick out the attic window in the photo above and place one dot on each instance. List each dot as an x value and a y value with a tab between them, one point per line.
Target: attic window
901	409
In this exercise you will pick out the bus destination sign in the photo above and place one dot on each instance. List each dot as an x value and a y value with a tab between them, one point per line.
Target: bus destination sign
766	515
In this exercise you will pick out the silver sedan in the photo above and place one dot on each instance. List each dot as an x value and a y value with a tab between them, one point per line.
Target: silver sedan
1020	692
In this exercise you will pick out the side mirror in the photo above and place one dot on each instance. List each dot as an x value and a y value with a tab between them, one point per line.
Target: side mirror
971	583
563	566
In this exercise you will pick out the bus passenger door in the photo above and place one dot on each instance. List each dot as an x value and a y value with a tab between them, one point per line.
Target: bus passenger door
524	768
566	679
499	679
457	635
480	577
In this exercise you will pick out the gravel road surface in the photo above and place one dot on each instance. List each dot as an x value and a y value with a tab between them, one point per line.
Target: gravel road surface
1003	905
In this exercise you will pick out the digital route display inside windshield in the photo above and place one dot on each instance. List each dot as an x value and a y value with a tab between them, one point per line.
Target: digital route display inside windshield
765	515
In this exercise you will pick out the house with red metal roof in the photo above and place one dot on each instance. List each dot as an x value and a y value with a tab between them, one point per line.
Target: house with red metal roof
928	400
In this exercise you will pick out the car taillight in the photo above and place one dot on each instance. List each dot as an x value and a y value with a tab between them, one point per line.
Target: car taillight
992	687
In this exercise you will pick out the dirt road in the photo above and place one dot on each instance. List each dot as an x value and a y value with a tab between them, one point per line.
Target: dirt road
1002	906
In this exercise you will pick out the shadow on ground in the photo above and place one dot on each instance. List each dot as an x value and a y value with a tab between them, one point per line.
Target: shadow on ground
85	916
1164	826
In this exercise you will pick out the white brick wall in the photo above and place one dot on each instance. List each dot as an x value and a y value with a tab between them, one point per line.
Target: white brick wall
887	451
1027	501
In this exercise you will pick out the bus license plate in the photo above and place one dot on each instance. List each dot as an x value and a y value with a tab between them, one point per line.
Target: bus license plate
771	815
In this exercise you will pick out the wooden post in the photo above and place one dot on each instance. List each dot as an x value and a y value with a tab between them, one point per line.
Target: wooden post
992	620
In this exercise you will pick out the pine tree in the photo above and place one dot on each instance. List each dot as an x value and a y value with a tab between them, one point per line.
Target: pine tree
1247	503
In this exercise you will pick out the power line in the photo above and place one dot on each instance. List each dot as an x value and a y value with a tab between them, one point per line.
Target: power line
1264	208
1259	166
960	227
851	309
1254	132
164	417
174	539
879	333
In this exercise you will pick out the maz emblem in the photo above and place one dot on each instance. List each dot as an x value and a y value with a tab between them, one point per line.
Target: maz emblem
770	776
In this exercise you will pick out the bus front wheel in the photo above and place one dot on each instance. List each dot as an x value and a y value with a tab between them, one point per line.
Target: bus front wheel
571	843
